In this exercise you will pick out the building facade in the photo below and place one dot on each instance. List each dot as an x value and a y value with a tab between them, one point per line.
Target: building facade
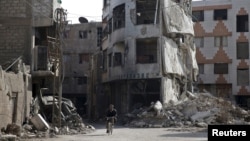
80	42
148	53
27	33
222	41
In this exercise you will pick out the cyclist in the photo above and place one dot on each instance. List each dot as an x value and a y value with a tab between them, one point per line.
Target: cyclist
111	112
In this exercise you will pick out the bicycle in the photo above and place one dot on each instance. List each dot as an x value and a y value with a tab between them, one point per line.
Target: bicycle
110	125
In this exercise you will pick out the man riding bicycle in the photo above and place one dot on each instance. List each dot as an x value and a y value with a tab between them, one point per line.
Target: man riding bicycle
111	114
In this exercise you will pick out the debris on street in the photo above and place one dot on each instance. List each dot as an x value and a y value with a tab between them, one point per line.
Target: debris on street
192	110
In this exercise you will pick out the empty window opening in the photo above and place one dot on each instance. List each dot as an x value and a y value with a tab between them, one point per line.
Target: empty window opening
220	41
110	59
243	50
105	62
99	36
220	14
242	23
119	16
243	77
118	59
83	34
146	50
83	57
198	16
145	11
220	68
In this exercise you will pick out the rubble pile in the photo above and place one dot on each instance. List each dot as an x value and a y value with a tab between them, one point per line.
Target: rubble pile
40	124
193	110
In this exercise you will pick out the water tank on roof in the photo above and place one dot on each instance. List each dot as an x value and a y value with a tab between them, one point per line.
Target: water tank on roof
83	20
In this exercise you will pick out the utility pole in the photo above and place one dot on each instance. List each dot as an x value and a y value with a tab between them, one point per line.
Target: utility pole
60	16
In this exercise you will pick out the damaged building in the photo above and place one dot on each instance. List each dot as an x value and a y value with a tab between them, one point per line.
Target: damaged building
222	40
80	42
147	54
29	54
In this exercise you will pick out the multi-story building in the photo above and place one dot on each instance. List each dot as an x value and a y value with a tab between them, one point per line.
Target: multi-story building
28	35
222	41
80	42
148	53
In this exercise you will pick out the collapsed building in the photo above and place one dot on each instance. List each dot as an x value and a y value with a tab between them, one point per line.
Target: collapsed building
31	60
147	54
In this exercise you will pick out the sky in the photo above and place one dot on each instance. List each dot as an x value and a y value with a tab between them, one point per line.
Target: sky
90	9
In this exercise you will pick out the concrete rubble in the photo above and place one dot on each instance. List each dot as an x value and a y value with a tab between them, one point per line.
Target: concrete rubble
192	110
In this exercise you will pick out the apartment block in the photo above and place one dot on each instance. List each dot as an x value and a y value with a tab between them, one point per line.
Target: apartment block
222	40
80	42
148	54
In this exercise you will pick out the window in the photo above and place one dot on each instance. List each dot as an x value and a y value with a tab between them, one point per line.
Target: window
146	50
119	16
201	68
220	68
110	59
117	59
83	57
66	58
198	16
81	80
145	11
243	50
220	14
105	60
199	42
242	23
83	34
220	41
99	36
242	77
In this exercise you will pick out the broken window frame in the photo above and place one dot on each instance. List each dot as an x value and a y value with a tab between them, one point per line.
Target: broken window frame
146	15
220	68
220	14
242	49
198	16
119	17
146	50
242	23
83	34
220	41
243	77
199	42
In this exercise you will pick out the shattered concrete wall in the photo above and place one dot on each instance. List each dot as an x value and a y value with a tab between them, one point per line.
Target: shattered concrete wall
178	50
15	97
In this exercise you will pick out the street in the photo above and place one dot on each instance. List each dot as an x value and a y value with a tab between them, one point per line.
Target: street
122	133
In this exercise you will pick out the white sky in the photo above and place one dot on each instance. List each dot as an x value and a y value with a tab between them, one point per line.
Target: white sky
90	9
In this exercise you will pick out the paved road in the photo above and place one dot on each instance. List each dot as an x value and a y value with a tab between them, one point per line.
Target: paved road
122	133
